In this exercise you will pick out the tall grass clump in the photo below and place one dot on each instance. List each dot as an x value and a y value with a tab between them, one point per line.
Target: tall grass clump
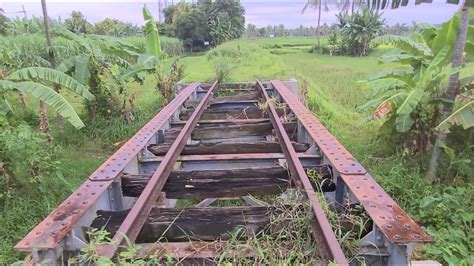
238	61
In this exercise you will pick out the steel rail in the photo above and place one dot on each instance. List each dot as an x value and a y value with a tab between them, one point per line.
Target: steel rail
329	247
133	223
58	224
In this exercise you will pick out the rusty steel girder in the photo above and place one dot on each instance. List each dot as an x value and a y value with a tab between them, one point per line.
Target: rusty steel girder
393	222
329	248
53	229
133	223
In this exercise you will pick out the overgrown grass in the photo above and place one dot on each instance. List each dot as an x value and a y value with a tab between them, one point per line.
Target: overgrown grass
247	61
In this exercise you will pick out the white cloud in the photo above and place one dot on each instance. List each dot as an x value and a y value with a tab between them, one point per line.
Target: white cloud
259	12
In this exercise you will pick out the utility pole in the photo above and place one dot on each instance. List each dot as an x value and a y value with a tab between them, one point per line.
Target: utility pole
159	11
16	12
23	11
44	121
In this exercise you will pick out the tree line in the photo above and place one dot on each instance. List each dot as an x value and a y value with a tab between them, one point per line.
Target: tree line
76	23
253	31
198	25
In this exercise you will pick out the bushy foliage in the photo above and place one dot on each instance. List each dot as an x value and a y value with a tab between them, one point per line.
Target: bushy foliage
27	50
191	28
77	23
3	24
225	19
18	26
117	28
358	29
445	210
408	98
354	33
26	159
449	218
214	22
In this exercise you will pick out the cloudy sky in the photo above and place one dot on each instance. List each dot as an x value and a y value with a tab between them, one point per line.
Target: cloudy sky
259	12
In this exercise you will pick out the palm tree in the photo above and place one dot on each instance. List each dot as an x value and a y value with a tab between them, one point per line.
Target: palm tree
453	89
316	4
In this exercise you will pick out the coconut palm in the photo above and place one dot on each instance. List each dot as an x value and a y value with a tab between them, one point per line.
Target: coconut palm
359	29
452	91
316	4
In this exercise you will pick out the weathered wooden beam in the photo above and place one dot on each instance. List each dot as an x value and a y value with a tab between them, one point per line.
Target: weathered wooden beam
213	147
241	86
202	184
208	132
214	183
233	113
223	122
251	96
185	224
236	98
235	156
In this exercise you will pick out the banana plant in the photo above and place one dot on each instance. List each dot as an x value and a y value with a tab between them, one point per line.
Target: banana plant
94	47
97	55
22	81
30	80
463	114
151	59
409	97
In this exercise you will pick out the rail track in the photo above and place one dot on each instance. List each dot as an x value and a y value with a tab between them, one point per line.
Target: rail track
220	141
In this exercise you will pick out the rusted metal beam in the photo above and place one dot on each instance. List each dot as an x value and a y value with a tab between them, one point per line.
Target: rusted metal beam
394	223
49	234
135	219
329	248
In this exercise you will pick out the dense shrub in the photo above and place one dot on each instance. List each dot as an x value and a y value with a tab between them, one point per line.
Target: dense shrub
354	34
26	159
